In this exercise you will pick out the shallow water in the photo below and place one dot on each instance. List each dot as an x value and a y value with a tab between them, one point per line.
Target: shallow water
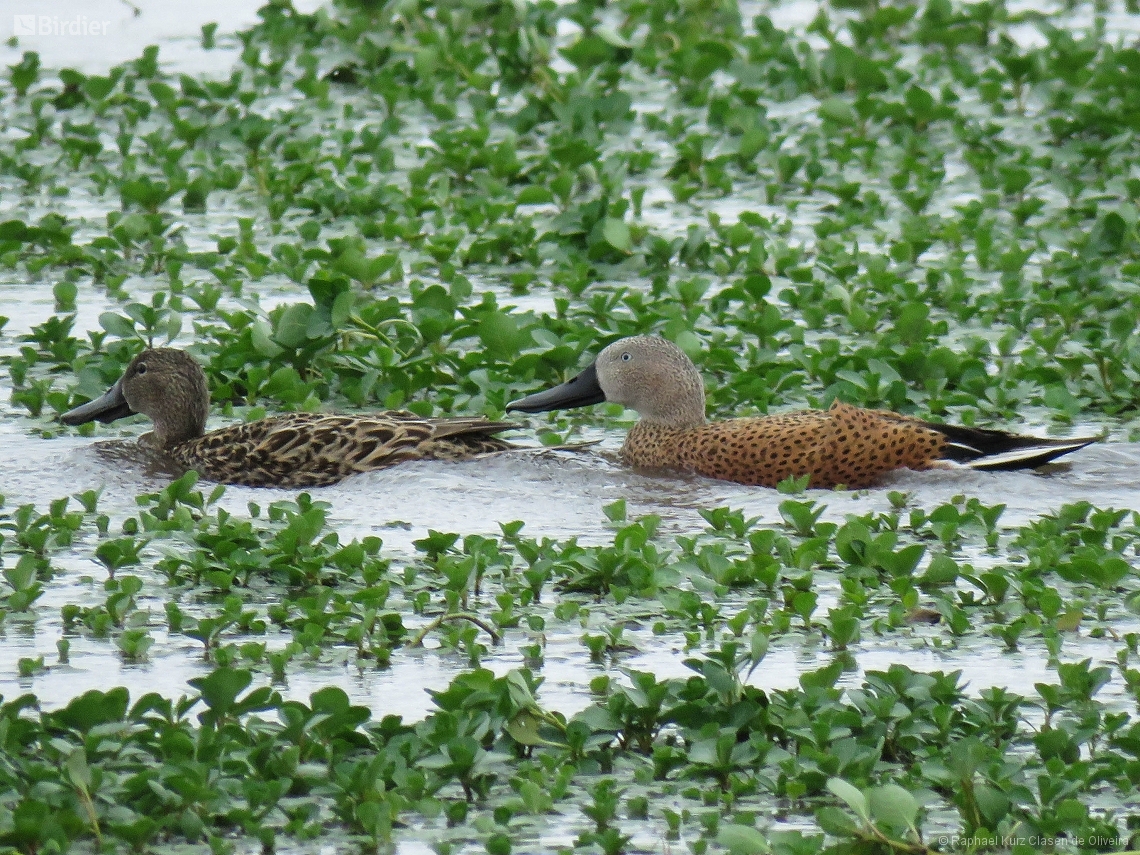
93	35
558	495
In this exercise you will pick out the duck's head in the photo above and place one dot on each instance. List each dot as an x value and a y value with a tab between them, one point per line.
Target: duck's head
164	384
645	373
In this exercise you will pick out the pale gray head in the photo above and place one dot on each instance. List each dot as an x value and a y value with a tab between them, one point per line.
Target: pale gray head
166	385
645	373
654	377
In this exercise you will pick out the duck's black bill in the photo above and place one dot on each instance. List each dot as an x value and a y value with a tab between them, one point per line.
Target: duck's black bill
106	409
581	391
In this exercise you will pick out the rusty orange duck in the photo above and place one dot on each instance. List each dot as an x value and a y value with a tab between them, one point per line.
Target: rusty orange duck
841	446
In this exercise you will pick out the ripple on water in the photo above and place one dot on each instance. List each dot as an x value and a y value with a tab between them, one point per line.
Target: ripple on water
558	495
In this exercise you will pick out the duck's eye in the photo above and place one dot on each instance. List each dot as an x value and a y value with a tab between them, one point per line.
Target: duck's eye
626	357
141	368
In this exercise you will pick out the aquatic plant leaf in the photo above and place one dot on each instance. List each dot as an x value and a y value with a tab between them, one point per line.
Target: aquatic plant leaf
221	687
742	840
893	805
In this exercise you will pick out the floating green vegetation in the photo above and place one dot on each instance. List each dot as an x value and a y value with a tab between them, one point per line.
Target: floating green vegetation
910	754
445	204
489	763
944	222
882	570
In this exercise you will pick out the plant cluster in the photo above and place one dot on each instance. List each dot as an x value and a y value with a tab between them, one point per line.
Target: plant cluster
910	754
444	204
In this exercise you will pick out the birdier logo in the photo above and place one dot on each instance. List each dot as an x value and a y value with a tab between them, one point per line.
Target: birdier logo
53	25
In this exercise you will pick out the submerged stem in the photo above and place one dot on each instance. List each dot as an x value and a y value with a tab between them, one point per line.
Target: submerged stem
418	638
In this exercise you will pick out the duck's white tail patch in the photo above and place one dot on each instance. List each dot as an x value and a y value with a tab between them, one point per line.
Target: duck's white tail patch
1027	458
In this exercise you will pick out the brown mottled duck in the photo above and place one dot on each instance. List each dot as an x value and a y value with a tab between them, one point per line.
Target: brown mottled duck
842	446
292	450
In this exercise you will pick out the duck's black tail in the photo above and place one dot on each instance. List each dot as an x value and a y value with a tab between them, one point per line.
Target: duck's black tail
997	450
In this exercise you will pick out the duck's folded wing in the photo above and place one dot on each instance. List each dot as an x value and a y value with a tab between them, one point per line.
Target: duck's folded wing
313	450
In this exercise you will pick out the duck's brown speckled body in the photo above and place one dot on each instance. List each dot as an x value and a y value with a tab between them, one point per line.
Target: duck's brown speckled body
315	450
291	451
843	445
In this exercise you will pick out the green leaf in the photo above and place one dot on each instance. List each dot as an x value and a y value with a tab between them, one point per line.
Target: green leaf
521	695
589	51
1108	234
220	688
689	342
758	647
15	230
943	570
993	804
341	308
500	335
893	805
534	797
292	326
823	678
533	194
261	337
852	796
742	840
23	574
331	699
78	770
836	822
94	708
523	729
616	233
839	111
615	511
117	325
